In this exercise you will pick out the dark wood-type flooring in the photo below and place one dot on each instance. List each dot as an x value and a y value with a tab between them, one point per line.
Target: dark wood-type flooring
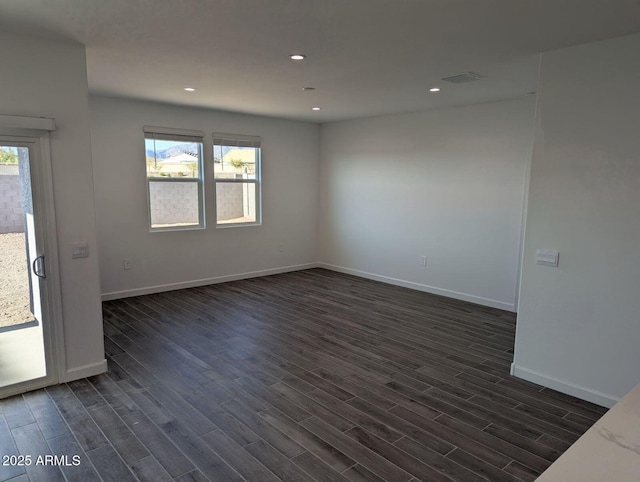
302	376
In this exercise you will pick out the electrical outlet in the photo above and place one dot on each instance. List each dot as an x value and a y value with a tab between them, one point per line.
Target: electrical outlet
127	264
281	247
423	260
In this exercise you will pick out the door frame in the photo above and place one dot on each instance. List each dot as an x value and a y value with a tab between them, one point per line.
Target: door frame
33	132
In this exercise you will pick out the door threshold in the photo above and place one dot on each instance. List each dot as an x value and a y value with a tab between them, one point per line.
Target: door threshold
19	326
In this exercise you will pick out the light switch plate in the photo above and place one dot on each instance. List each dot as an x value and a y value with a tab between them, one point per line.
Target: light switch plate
547	257
79	250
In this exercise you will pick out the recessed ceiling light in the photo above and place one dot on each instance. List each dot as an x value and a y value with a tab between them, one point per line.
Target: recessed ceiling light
434	89
315	108
297	57
308	88
189	89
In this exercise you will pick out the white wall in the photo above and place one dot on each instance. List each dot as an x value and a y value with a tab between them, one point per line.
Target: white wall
447	184
578	328
164	260
43	78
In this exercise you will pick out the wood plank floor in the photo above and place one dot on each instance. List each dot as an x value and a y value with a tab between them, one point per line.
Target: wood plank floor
312	375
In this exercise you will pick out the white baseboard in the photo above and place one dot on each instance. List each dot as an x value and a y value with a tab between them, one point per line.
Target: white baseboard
85	371
422	287
572	389
116	295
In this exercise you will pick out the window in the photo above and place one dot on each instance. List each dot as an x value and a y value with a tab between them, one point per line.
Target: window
174	178
236	170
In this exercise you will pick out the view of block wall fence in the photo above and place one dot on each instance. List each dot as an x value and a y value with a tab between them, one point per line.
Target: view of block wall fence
235	200
177	202
171	202
11	217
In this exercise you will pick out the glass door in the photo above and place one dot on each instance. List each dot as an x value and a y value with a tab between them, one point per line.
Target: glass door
24	332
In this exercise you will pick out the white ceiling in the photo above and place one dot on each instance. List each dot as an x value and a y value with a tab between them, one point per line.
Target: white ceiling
365	57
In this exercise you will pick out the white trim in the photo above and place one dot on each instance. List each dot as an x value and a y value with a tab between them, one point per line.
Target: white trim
85	371
527	183
25	122
173	179
115	295
525	205
27	387
422	287
563	386
200	180
237	225
186	227
37	140
53	280
232	180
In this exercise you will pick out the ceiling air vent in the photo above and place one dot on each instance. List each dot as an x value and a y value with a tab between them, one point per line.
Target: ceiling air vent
463	77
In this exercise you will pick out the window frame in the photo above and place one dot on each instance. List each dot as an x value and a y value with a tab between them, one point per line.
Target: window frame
178	135
239	140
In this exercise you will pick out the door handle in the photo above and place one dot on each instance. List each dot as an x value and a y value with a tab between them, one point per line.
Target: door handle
34	266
